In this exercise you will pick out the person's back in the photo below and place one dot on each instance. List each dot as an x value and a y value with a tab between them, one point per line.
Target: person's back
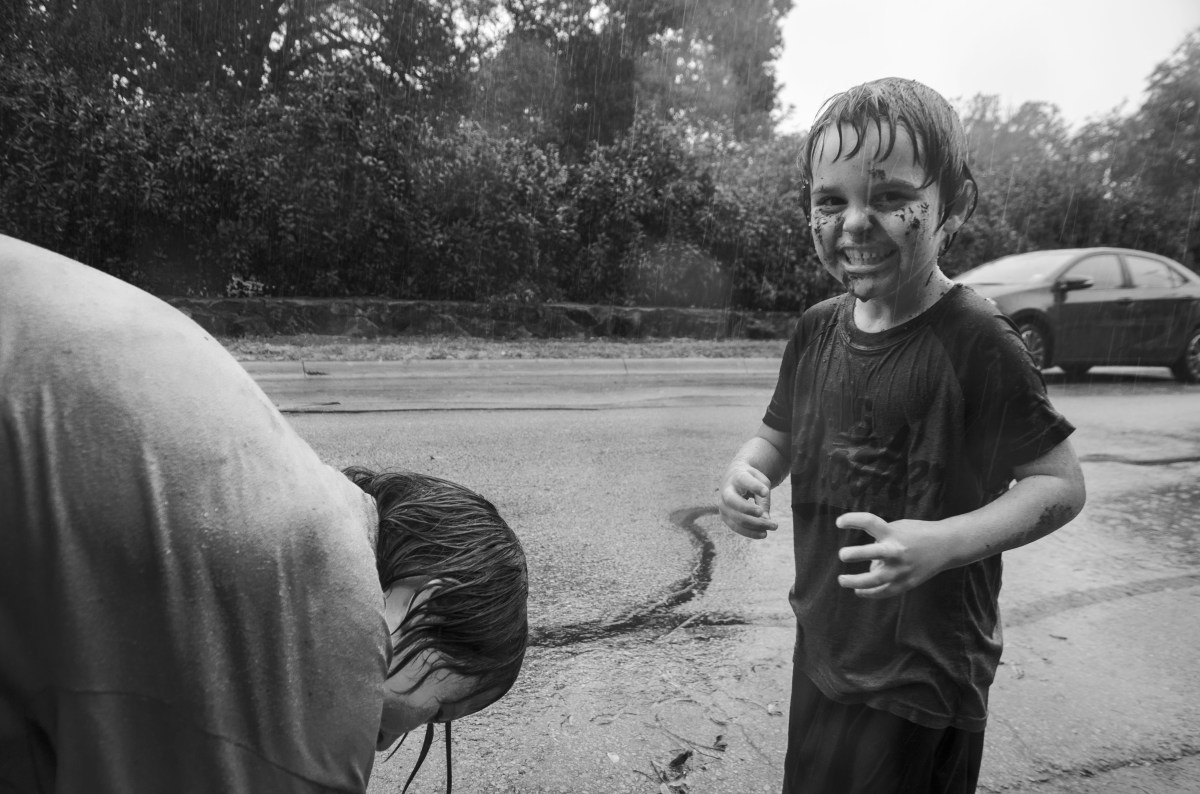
188	596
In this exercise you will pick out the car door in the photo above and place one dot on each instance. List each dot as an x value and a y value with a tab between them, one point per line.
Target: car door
1158	316
1089	324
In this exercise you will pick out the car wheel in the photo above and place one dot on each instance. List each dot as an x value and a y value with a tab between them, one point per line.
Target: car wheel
1037	341
1187	368
1075	371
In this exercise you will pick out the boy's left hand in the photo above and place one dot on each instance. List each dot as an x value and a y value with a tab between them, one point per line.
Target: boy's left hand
905	554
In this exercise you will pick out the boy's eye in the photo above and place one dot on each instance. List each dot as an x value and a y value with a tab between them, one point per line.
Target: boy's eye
828	202
891	197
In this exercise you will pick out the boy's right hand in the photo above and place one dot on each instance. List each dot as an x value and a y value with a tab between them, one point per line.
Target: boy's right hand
745	502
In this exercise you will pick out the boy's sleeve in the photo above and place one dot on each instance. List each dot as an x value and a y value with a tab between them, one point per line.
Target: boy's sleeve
1010	419
779	411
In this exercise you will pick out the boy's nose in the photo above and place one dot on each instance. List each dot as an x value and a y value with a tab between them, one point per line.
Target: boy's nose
857	220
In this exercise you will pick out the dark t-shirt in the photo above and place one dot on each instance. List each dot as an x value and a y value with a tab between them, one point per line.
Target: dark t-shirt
923	421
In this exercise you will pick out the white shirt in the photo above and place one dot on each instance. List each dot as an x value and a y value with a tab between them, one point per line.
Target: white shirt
188	595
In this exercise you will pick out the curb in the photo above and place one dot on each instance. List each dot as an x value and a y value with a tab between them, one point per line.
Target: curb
281	370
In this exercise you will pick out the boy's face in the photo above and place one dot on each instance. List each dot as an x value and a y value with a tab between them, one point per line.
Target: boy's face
412	699
442	697
876	230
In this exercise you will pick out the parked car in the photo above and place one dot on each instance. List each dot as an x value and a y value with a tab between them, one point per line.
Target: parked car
1083	307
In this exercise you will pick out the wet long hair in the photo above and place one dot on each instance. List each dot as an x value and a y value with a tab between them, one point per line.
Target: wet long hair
889	105
476	618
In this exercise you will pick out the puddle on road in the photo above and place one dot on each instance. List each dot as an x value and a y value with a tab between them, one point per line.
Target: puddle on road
1163	519
657	614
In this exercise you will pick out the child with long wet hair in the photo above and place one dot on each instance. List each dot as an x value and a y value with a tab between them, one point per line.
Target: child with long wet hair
461	572
243	617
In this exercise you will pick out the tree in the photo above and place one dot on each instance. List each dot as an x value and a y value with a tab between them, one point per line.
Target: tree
1164	135
1035	132
715	61
139	47
579	72
421	53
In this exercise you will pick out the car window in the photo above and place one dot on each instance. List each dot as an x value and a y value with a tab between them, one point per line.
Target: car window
1103	269
1151	273
1016	269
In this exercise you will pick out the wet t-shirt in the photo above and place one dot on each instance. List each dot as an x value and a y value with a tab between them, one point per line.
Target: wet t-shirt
923	421
188	595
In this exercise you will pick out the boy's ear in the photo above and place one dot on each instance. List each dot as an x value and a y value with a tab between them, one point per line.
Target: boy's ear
406	595
960	209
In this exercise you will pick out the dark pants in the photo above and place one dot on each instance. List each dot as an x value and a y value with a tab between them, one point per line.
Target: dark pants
835	748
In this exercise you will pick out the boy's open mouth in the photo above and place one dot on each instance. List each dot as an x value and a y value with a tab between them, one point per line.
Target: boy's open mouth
864	258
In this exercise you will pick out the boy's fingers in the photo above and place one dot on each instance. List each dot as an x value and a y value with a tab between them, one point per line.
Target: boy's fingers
868	522
756	532
873	592
752	486
762	524
750	527
859	581
739	502
863	553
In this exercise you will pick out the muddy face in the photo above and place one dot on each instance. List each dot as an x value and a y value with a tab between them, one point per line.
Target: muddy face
874	221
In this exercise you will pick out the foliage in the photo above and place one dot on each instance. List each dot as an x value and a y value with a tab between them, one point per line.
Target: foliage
578	73
76	174
603	165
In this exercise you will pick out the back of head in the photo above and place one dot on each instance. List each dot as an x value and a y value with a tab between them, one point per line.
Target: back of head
890	105
476	617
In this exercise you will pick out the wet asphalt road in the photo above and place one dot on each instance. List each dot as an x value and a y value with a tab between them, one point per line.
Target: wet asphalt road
656	631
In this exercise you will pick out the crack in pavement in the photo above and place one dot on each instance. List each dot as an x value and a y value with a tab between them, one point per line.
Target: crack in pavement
1044	607
1054	775
1104	457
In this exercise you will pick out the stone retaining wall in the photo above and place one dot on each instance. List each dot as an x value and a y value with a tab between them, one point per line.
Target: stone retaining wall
378	317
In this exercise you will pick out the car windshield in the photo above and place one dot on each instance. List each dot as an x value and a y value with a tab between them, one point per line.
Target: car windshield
1019	269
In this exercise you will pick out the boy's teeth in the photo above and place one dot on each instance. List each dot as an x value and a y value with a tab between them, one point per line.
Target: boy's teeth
865	257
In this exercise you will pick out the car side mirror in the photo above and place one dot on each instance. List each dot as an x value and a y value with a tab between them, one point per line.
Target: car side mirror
1073	283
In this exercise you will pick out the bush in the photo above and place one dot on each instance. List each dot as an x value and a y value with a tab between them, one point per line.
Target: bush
328	191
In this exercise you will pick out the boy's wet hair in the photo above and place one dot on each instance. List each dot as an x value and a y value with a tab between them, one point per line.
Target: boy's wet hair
889	105
476	617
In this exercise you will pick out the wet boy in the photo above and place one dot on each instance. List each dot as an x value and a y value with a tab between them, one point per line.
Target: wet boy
921	445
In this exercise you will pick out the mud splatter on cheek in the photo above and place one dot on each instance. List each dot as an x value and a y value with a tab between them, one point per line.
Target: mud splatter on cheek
920	216
820	224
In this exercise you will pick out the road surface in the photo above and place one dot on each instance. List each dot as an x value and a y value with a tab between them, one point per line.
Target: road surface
658	632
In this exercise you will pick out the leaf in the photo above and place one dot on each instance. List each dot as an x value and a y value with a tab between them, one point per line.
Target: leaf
678	761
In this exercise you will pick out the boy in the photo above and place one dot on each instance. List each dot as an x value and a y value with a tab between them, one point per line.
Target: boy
904	410
190	600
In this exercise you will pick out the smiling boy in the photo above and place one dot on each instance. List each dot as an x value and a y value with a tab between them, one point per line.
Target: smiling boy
920	444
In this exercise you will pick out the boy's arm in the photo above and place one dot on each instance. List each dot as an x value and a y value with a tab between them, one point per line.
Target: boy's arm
758	466
1048	493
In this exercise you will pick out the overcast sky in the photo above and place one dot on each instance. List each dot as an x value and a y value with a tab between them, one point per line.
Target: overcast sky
1085	56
